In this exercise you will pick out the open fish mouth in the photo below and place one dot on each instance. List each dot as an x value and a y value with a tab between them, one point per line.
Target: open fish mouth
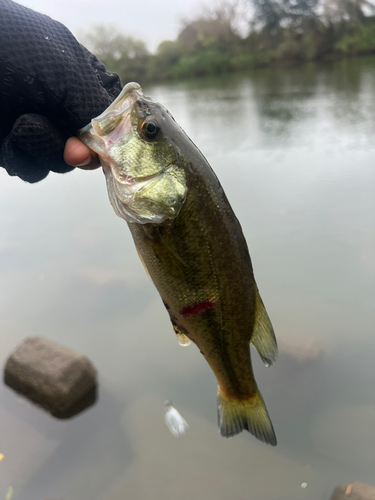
145	180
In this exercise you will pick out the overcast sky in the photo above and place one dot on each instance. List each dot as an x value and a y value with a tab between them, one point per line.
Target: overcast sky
149	20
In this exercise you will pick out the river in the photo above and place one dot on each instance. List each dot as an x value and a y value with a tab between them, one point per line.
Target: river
295	151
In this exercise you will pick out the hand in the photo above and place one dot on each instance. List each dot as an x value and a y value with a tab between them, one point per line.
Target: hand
51	86
79	155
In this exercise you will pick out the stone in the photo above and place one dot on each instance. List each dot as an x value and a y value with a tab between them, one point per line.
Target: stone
50	374
354	491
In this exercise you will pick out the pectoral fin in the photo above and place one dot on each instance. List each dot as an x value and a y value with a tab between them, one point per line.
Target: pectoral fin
143	263
263	337
168	257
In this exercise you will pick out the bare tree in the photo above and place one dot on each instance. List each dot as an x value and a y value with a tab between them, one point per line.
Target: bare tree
108	44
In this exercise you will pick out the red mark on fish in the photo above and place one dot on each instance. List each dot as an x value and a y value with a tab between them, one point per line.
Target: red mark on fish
193	309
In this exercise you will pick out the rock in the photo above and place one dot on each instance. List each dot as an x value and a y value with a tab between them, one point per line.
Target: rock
89	399
50	374
353	491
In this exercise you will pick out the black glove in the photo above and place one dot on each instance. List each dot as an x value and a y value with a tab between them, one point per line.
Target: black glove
50	86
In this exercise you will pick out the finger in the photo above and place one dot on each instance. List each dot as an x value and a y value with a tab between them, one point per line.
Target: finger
79	155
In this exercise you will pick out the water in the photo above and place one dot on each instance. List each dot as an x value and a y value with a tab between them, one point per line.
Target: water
295	151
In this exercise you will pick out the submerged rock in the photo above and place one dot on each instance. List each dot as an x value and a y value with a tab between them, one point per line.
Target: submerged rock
354	491
51	375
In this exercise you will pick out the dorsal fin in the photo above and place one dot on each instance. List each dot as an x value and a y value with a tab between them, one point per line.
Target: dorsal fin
263	337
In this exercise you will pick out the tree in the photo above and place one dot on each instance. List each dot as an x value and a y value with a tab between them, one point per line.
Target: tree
274	14
216	29
121	54
337	11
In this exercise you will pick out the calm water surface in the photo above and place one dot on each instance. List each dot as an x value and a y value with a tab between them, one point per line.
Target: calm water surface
295	152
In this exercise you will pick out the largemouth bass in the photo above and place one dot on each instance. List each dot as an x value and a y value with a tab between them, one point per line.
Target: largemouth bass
192	247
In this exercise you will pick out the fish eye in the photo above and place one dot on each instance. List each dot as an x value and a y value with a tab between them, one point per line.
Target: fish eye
150	129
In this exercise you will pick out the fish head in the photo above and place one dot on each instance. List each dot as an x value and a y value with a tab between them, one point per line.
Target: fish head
145	173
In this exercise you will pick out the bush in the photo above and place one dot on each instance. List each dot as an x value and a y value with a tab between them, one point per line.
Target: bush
243	62
296	48
362	41
210	62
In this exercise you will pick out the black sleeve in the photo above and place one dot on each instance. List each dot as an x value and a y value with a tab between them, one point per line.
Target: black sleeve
50	86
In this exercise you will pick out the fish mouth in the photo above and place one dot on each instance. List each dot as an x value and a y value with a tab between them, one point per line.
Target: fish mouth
150	198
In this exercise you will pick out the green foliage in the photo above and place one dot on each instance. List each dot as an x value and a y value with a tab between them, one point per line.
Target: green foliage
167	56
296	47
362	41
245	62
208	62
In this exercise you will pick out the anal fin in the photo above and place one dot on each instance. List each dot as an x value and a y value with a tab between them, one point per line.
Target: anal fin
263	337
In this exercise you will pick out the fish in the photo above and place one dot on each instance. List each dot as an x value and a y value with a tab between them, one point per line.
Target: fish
192	247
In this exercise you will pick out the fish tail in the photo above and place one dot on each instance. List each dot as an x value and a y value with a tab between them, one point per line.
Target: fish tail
235	415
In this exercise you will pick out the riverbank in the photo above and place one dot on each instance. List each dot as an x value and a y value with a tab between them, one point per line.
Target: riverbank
204	48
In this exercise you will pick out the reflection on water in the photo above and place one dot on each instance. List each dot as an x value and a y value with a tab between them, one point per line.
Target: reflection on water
294	150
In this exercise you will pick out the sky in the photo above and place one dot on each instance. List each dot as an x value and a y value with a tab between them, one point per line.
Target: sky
149	20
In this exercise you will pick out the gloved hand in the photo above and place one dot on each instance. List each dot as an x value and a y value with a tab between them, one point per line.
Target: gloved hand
50	86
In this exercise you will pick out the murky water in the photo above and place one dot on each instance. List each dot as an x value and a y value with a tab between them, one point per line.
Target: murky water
295	152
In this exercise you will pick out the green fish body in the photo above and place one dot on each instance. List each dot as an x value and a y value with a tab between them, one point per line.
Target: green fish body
192	246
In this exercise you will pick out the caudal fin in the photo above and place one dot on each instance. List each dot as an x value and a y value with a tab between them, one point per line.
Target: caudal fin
234	416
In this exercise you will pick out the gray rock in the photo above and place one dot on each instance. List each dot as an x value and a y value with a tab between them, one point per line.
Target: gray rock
49	374
354	491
